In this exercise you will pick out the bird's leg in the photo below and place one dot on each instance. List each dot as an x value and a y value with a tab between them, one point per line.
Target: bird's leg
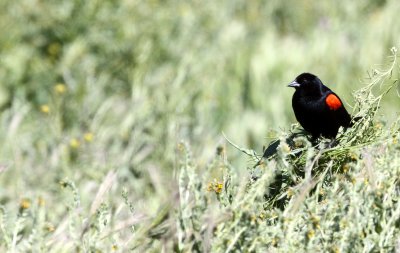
332	143
314	140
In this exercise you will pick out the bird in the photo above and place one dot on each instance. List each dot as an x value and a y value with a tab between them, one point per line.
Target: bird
318	109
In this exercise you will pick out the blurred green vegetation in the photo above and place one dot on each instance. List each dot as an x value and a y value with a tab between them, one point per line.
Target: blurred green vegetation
89	87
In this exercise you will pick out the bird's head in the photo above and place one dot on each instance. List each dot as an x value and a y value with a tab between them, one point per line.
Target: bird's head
307	82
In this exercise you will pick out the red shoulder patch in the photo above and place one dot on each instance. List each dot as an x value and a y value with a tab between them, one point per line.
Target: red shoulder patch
333	102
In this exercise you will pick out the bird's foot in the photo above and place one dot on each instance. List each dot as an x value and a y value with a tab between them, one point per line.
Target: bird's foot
328	143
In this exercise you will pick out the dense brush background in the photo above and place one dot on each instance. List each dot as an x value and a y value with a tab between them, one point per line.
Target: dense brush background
112	116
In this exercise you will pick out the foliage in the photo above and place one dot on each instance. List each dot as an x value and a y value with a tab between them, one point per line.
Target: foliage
305	198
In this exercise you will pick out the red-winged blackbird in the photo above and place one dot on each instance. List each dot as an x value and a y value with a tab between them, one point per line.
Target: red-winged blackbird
317	108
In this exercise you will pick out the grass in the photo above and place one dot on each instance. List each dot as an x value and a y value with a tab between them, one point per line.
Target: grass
112	117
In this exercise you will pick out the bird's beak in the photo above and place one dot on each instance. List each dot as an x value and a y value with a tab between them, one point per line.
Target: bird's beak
294	84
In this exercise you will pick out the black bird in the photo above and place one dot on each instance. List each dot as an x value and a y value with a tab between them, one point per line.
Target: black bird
317	108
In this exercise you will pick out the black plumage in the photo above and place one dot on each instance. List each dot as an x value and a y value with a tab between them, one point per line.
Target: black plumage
317	108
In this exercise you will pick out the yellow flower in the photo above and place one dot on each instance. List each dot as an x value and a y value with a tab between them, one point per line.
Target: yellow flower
290	192
181	147
114	247
60	88
74	143
215	186
218	187
346	168
310	233
50	227
41	201
354	156
315	221
88	137
25	204
45	109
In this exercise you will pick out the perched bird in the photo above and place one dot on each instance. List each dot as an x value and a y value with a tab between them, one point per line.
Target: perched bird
317	108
